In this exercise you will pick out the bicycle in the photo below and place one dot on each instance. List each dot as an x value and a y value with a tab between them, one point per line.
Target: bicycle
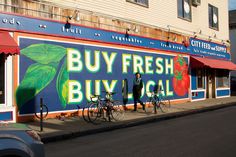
93	99
157	100
105	108
165	102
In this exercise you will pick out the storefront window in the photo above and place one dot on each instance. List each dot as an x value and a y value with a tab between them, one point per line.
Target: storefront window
222	78
2	79
200	78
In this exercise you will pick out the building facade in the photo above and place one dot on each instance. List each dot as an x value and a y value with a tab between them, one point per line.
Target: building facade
72	49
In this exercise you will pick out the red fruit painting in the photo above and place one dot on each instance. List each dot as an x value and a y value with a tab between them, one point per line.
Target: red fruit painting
181	80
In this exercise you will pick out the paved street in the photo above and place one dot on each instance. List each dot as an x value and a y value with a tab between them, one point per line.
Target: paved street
209	134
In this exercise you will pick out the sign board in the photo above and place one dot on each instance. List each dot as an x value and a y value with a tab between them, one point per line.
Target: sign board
208	49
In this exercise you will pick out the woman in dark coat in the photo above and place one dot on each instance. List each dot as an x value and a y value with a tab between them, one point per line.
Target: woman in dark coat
137	88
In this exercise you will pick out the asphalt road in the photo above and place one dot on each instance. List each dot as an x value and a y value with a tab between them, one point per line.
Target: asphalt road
209	134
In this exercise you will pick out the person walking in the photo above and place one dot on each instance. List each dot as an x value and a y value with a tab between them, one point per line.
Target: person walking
137	88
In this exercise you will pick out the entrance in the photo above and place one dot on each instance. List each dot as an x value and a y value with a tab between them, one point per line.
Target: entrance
210	74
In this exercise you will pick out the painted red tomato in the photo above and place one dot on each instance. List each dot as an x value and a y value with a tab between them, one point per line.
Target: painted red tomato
179	87
180	65
181	84
186	79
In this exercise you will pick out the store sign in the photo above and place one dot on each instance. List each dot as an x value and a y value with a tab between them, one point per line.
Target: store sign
209	49
26	24
66	74
11	21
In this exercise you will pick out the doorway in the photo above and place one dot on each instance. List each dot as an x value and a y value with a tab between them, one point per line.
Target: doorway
210	79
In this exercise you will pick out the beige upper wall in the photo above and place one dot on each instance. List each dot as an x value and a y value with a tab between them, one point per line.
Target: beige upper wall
160	13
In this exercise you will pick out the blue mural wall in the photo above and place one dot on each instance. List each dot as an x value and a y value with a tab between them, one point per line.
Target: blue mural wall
66	74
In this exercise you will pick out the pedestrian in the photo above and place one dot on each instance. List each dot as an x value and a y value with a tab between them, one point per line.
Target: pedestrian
125	93
137	88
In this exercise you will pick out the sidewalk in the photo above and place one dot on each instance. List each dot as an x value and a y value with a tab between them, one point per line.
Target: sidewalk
55	129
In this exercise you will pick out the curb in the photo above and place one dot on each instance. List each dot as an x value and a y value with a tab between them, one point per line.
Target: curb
134	122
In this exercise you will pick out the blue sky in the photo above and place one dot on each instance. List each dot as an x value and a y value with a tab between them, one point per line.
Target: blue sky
232	4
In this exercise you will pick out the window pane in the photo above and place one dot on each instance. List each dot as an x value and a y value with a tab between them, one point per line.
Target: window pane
184	9
2	79
213	16
220	82
180	8
141	2
200	78
145	2
226	81
222	78
187	9
210	15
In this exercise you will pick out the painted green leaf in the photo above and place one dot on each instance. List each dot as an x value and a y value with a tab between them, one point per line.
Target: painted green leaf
36	78
44	53
62	84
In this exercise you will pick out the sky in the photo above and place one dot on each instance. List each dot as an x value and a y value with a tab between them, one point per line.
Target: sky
232	4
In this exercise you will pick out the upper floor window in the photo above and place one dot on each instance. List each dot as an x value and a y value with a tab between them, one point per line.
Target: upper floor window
184	9
139	2
213	17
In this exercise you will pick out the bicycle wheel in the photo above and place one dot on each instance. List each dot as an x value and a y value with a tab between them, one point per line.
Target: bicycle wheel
165	105
93	112
117	111
85	114
149	103
85	111
45	112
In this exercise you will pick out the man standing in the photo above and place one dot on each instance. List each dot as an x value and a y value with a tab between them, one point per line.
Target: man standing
137	88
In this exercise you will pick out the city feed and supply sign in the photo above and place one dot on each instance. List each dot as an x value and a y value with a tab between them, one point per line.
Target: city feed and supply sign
66	74
208	49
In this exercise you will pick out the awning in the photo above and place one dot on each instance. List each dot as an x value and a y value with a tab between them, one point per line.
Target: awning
197	62
7	44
